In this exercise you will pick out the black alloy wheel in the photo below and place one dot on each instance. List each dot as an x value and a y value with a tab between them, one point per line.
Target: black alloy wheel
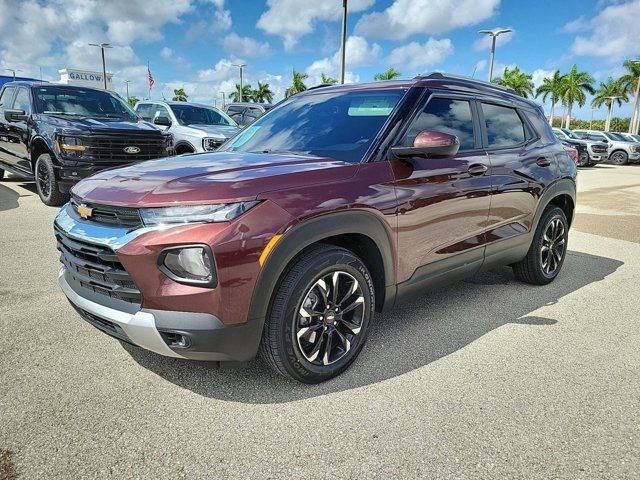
47	182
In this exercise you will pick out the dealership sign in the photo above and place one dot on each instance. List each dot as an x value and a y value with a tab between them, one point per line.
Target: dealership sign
85	78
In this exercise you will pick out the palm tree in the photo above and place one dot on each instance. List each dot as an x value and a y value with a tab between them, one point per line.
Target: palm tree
574	88
179	95
517	80
246	96
297	84
608	93
132	101
551	87
263	93
327	80
389	74
631	83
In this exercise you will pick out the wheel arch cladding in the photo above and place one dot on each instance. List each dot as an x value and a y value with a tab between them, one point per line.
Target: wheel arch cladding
561	194
38	147
360	232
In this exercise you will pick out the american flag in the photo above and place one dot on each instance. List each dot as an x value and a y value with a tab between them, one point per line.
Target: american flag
150	77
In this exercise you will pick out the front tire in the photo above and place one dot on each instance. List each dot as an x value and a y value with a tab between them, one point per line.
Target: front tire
619	157
548	249
583	160
319	316
47	184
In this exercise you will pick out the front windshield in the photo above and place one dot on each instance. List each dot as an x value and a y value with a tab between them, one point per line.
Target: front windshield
338	125
192	115
570	134
80	102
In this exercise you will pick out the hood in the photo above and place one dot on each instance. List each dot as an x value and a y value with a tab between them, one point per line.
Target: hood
208	178
224	131
88	125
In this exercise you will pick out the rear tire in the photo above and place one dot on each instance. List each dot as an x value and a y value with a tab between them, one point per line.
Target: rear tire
47	184
314	330
547	251
619	157
583	160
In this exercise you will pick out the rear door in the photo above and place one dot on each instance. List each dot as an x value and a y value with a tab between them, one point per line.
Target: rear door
522	165
443	203
6	101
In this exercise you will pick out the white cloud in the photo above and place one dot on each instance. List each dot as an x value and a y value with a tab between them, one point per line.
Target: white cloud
577	25
244	46
293	19
358	52
416	56
408	17
480	66
611	32
538	76
214	22
484	42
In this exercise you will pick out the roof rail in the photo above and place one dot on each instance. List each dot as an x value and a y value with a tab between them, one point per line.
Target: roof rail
321	85
437	75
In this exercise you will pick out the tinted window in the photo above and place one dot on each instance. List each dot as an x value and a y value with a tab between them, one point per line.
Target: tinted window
81	102
145	110
235	109
161	112
338	125
504	126
22	100
253	113
7	95
444	115
192	115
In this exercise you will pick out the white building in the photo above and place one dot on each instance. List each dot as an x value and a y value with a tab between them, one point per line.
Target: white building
85	78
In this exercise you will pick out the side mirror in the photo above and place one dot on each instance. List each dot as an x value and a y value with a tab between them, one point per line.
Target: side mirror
162	121
12	115
430	143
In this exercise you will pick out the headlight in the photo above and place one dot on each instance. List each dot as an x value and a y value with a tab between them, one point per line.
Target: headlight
635	148
71	146
194	213
210	143
191	264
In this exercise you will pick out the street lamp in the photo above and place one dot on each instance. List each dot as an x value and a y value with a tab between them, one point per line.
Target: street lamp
104	67
495	33
224	102
343	40
240	66
13	70
608	122
127	82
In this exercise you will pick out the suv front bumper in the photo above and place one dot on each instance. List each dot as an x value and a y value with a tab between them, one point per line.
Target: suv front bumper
194	336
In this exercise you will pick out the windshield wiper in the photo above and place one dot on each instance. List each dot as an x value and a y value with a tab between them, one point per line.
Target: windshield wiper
71	114
285	152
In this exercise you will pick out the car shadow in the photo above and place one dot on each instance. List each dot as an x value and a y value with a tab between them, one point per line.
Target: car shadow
8	198
416	333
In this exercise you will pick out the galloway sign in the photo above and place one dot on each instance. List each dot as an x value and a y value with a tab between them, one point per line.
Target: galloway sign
85	78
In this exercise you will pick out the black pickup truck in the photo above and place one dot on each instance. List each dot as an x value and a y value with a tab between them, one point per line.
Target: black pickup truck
59	134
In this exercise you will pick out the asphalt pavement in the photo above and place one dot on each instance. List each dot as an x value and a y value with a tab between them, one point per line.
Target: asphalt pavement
486	378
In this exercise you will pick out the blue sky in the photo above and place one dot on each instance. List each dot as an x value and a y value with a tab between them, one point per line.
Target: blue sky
193	43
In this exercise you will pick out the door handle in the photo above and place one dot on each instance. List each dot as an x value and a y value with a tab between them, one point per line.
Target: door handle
478	169
543	162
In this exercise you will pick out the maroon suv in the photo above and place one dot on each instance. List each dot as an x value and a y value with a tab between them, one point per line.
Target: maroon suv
335	204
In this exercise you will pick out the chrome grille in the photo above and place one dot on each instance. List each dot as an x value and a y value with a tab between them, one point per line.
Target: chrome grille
96	268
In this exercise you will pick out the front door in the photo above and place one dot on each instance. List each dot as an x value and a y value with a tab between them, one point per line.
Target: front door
6	101
443	203
18	132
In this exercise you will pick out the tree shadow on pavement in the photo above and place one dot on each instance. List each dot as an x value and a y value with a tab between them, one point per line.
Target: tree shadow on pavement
417	332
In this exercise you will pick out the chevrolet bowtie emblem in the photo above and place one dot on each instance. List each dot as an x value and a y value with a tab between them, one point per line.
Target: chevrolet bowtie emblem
84	211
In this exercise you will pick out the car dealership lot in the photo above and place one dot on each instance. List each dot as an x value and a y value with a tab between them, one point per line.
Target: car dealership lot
485	378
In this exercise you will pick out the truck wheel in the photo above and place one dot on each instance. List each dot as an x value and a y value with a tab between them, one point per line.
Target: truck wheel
583	159
1	174
548	249
319	316
47	183
619	157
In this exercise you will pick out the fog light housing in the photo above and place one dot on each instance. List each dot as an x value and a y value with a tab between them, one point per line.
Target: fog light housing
189	264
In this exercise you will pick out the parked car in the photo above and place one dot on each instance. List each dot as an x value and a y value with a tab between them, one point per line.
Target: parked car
595	152
621	151
245	113
194	127
337	203
58	134
628	136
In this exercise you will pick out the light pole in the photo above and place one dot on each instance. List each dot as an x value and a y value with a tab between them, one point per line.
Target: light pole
224	103
633	123
240	66
591	121
13	71
343	40
495	33
127	82
104	66
608	122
